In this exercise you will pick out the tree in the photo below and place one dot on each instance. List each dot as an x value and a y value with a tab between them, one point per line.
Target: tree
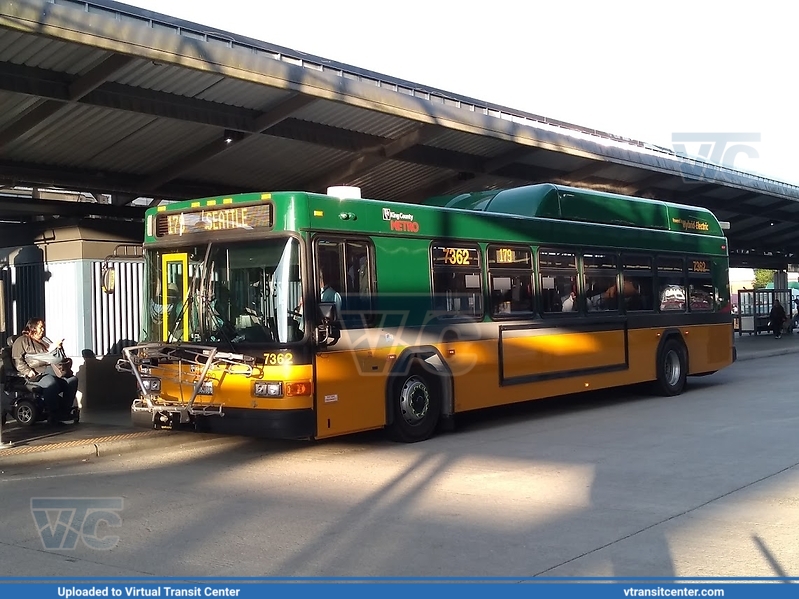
763	277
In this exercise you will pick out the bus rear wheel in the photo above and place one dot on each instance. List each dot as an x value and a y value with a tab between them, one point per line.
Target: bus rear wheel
672	368
417	406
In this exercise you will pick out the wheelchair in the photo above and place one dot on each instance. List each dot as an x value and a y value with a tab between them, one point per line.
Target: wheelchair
21	399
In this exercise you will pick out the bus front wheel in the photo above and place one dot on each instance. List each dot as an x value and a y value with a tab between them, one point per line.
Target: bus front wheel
417	406
672	368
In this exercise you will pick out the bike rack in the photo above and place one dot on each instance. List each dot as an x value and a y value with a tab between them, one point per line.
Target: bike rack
152	358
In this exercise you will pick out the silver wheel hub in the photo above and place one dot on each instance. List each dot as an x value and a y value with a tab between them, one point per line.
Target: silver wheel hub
414	400
672	369
24	414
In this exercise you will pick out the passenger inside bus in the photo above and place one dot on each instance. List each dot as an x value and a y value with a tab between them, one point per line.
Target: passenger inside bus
569	302
328	293
636	300
511	294
608	299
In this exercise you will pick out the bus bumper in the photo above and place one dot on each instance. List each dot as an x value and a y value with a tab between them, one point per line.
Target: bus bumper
269	424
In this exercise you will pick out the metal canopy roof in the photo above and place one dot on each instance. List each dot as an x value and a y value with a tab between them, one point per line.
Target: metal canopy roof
106	98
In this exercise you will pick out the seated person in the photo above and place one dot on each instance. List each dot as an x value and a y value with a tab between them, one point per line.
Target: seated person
569	302
328	294
227	316
33	355
608	299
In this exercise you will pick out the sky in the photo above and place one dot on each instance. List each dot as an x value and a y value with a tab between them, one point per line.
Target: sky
668	73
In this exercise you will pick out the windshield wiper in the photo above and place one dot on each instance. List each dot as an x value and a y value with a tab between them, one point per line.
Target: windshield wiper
207	310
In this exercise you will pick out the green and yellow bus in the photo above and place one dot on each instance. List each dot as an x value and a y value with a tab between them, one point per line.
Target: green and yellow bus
301	315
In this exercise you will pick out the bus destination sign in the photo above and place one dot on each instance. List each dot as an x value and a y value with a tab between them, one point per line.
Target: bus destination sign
224	218
509	257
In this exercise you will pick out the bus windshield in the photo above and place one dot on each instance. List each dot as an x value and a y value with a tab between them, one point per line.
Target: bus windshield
229	292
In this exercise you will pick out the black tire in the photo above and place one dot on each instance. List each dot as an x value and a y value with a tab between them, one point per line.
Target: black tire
201	424
417	406
26	413
672	368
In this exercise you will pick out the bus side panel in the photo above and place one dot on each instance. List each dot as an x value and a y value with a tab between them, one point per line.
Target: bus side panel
476	366
709	347
480	388
549	353
350	391
643	355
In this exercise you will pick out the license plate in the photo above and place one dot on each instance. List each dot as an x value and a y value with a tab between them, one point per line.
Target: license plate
207	388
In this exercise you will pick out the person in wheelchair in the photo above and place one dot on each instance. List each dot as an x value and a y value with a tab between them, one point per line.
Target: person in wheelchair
40	362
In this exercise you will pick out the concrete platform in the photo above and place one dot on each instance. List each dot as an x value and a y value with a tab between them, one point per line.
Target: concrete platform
97	435
109	432
751	347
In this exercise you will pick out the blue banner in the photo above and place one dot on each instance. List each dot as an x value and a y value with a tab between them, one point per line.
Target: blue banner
351	588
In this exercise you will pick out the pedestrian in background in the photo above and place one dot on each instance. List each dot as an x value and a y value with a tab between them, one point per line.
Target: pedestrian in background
777	318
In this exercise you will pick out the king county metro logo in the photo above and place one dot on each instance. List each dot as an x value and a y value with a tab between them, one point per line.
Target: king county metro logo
400	221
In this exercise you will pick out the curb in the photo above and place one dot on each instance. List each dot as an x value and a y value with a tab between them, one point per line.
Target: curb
106	446
768	354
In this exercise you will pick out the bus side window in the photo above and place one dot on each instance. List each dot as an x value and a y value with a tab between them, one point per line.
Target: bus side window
510	275
551	301
639	281
702	293
600	287
558	276
457	281
347	268
329	267
358	293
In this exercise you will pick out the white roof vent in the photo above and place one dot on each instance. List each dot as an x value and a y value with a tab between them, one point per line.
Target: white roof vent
344	192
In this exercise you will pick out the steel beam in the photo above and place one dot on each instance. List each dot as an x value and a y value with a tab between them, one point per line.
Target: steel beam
371	157
268	119
74	91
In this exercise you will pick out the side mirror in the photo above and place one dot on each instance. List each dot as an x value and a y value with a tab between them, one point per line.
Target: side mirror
327	311
328	332
108	272
109	276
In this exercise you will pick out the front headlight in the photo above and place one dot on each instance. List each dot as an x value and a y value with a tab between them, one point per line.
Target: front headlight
267	389
151	385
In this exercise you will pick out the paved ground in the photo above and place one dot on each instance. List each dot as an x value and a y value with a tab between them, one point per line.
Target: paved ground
106	432
611	483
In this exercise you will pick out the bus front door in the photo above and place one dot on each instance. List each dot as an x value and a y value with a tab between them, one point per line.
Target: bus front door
350	379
